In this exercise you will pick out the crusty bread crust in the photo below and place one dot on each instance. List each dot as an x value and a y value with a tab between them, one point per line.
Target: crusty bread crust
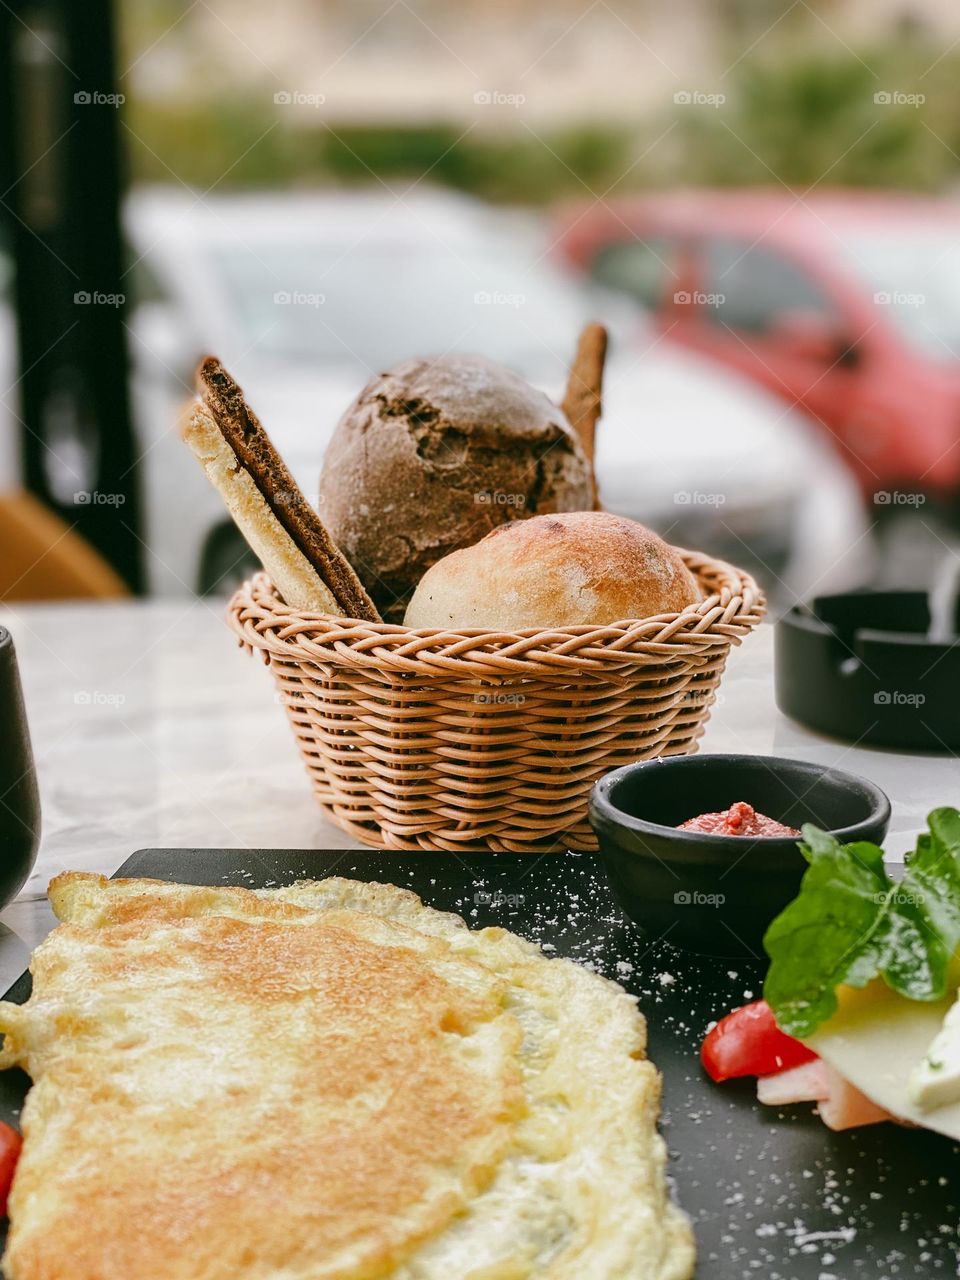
572	569
435	453
295	578
254	452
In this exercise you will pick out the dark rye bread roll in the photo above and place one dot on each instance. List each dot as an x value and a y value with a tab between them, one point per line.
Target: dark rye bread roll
433	455
578	569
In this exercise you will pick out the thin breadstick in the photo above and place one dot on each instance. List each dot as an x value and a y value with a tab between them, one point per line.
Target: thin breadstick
583	400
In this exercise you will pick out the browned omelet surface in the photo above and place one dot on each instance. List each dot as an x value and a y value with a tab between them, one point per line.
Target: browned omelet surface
325	1081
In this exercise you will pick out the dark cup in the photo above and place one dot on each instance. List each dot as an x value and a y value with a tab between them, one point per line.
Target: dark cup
717	894
19	798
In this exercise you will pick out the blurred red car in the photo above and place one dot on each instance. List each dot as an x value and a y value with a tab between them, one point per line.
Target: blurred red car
846	303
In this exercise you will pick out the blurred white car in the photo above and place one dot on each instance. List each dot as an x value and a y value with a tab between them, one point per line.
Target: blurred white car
307	296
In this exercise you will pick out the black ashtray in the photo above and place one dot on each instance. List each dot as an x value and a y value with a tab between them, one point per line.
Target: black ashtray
862	667
717	894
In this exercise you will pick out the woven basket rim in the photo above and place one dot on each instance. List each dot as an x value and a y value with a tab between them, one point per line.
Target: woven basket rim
470	741
733	606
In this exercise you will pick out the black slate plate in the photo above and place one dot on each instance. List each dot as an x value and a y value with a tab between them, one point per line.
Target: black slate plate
772	1194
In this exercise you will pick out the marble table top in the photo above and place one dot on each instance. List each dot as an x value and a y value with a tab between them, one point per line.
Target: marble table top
151	728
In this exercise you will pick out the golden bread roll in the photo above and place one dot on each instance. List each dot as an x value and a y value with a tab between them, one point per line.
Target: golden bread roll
575	569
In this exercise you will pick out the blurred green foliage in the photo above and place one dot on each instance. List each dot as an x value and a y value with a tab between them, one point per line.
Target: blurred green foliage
815	119
180	141
803	119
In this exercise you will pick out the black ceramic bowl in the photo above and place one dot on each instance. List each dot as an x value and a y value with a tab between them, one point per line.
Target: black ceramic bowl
862	667
717	894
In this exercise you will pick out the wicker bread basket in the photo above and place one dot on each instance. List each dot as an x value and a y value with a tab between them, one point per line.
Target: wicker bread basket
472	740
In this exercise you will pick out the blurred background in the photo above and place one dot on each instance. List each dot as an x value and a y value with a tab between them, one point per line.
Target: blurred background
761	200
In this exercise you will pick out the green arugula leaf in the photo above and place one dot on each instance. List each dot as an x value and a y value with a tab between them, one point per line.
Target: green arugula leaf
851	922
933	875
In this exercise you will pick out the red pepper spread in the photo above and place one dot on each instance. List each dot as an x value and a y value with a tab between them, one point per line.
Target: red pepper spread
741	819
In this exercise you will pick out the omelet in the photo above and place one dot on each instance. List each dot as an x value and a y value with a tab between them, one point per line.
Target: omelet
328	1081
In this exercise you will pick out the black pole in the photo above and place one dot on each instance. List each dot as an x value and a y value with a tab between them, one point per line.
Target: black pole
60	201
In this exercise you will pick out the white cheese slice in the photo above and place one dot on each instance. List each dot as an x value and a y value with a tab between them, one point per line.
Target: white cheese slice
875	1040
935	1081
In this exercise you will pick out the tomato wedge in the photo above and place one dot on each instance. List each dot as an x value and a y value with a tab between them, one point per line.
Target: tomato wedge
10	1147
748	1042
